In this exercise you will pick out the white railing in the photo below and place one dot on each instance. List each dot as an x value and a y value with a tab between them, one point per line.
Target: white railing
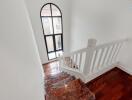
85	63
75	59
105	55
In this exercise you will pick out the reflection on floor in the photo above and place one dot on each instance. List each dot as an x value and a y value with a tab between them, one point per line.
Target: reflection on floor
113	85
51	69
62	86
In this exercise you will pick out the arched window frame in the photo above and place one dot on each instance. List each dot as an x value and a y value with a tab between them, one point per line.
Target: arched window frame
55	50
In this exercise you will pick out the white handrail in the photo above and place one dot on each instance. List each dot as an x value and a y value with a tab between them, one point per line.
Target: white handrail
93	58
111	43
75	52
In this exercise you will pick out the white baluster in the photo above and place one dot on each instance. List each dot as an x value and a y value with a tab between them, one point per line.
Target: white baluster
75	57
106	53
94	61
101	55
110	54
72	60
80	60
120	44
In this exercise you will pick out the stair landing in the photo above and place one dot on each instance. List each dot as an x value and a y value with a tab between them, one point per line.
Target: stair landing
113	85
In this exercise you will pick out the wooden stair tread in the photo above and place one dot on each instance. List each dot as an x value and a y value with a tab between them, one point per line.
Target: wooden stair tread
63	86
75	90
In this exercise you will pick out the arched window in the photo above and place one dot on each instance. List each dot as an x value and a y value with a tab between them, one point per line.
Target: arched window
51	18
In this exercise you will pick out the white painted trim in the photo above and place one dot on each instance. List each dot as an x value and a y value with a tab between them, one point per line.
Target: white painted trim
87	74
99	72
124	68
90	77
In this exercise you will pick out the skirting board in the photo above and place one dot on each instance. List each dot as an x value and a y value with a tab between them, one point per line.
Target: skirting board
102	71
90	77
124	68
97	74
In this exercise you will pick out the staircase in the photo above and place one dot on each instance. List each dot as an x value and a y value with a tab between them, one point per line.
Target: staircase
63	86
80	67
92	61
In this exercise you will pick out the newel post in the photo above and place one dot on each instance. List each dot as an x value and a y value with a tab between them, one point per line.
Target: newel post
89	54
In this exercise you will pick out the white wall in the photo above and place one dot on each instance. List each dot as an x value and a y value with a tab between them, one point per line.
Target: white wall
105	20
126	27
95	19
34	7
21	75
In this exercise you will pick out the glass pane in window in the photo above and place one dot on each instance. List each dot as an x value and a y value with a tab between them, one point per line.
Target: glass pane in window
55	11
58	42
47	25
57	25
50	46
59	53
46	11
52	55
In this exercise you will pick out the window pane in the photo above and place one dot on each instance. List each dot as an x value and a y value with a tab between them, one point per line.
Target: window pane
52	55
59	53
57	25
58	42
55	11
47	25
50	46
46	11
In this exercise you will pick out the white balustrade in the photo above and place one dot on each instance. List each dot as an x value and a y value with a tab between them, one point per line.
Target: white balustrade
91	59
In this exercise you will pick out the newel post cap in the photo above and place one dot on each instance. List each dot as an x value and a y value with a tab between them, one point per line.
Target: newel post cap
92	42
